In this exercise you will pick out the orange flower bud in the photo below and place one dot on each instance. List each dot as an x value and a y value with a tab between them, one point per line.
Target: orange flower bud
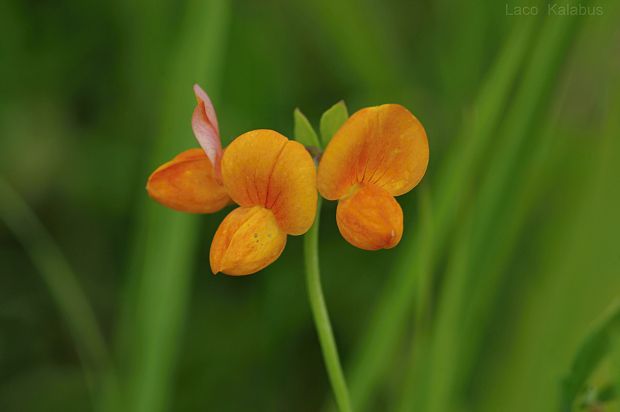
247	240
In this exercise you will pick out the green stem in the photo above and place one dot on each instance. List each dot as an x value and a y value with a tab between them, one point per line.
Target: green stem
321	317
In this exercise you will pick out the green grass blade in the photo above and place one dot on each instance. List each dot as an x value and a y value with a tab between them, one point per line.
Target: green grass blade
395	304
529	106
450	353
510	206
603	339
62	282
166	241
445	334
577	278
350	32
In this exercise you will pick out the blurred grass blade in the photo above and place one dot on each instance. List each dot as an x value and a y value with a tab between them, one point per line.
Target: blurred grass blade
350	32
441	352
517	135
529	107
457	282
595	346
166	241
331	121
62	282
416	265
303	130
615	357
577	279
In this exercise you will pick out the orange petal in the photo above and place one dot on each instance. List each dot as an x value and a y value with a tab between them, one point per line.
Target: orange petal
206	129
186	184
383	145
247	240
370	218
264	168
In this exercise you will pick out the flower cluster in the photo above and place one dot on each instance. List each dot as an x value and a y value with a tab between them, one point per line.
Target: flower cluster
377	154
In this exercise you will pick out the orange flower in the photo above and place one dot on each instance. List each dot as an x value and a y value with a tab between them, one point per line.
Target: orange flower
378	153
271	178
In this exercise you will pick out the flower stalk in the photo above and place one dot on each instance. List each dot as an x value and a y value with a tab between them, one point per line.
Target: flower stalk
321	316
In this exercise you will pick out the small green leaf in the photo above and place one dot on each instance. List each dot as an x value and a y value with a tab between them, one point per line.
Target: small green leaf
615	361
331	121
304	133
607	394
595	346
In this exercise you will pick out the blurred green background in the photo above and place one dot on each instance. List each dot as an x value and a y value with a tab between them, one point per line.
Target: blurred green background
510	252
